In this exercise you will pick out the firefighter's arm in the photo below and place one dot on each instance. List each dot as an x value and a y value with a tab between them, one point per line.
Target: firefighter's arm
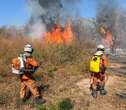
33	62
103	64
34	65
105	61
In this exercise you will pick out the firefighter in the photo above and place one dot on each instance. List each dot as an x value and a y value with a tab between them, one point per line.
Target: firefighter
25	66
98	71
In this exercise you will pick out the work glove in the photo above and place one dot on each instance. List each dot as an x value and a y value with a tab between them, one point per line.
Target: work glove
31	71
22	69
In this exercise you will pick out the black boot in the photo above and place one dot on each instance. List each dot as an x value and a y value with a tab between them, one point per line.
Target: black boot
98	87
39	100
94	93
103	91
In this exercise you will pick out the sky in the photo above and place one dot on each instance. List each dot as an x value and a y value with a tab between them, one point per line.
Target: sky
88	8
13	12
16	12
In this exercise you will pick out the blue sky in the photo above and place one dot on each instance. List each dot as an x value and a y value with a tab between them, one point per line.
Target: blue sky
87	8
15	12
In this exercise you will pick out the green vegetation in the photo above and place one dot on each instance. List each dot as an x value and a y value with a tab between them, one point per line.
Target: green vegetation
64	104
73	58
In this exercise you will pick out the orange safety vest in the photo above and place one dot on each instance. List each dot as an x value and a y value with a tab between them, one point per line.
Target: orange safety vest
28	64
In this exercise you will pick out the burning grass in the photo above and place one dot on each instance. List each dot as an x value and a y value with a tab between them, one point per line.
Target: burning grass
59	35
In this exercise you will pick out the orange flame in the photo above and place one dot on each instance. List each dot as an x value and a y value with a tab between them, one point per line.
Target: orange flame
57	36
68	34
107	37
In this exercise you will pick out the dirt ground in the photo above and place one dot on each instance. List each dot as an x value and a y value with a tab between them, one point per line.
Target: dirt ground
75	87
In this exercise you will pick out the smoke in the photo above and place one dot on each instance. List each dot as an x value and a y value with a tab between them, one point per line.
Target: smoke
37	29
111	15
106	13
46	13
51	10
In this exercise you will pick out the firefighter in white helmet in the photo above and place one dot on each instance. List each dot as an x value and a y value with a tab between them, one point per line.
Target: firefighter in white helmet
99	75
101	48
25	66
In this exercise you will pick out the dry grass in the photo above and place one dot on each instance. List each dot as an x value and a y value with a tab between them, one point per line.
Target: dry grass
62	67
52	58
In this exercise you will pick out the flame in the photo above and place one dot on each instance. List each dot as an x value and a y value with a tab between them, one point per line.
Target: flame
68	34
57	36
107	36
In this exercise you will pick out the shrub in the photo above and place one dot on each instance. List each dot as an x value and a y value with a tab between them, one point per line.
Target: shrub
40	107
65	104
3	98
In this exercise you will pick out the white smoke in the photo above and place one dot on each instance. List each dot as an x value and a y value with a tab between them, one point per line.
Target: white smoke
37	28
113	17
35	8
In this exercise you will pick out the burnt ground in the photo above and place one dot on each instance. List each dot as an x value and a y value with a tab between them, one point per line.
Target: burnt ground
75	87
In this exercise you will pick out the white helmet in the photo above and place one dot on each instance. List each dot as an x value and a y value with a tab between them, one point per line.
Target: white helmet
98	53
101	47
28	48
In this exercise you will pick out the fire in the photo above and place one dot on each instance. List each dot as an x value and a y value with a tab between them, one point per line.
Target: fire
107	37
68	34
57	36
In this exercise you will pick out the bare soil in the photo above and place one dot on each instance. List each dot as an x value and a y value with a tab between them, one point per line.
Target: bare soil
75	87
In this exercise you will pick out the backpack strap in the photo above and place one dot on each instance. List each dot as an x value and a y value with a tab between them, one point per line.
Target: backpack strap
21	65
21	62
21	59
